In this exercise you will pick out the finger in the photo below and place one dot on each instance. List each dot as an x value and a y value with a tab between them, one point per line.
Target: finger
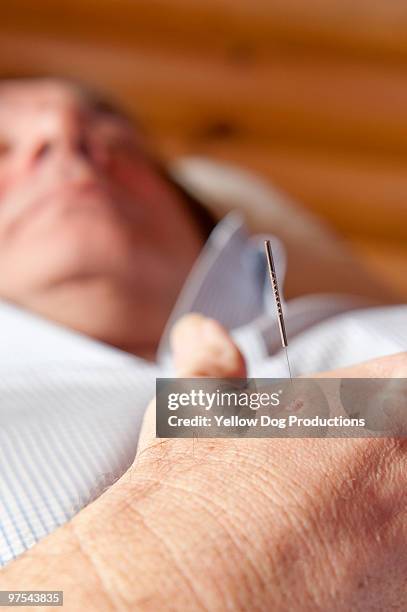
201	348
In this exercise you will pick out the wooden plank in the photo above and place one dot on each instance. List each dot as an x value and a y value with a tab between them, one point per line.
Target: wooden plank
242	30
388	261
360	197
341	105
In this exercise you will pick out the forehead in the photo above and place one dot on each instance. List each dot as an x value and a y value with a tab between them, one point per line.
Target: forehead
37	94
25	97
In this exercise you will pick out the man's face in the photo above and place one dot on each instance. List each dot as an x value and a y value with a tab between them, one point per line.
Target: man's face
78	198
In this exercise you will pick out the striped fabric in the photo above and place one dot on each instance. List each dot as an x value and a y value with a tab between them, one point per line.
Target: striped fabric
71	408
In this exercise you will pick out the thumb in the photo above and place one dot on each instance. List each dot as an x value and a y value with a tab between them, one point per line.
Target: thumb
201	347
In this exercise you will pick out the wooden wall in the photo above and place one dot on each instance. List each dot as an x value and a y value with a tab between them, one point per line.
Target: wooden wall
312	95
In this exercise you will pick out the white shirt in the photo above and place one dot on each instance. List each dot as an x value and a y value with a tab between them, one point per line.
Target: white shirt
71	408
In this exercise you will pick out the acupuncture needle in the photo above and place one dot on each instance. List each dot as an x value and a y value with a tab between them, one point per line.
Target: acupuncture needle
276	292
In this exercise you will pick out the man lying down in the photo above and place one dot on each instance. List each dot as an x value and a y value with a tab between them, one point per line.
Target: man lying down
101	253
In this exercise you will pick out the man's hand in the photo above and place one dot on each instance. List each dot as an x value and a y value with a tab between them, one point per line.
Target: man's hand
281	524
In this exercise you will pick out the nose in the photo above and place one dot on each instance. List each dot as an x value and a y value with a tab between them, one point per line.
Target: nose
60	133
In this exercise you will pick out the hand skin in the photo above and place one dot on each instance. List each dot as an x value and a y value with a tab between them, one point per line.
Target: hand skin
282	524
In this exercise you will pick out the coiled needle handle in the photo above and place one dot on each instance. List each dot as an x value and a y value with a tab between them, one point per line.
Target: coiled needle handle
274	285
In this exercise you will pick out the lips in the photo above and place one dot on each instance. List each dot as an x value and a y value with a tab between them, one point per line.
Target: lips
73	194
64	198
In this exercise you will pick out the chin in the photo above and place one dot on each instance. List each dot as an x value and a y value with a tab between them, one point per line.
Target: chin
63	256
92	250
